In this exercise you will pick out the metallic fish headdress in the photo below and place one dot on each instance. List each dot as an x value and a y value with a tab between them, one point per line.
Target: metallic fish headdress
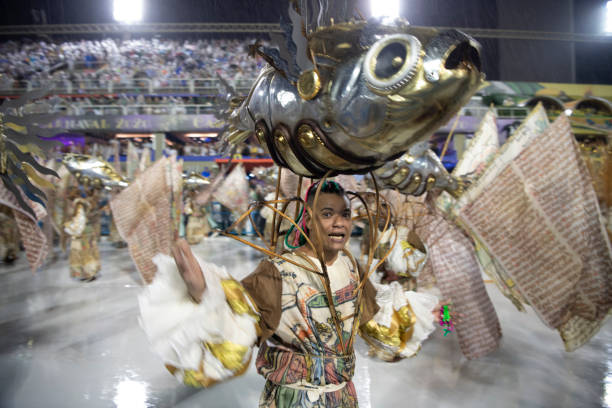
352	96
195	181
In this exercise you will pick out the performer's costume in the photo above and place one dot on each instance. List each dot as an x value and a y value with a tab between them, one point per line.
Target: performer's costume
94	174
405	260
84	229
9	235
197	224
113	236
305	354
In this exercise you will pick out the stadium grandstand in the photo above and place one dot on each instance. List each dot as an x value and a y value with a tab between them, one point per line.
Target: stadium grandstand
101	89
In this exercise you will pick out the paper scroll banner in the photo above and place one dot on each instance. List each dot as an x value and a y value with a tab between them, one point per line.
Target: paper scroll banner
233	192
477	160
142	214
535	209
482	149
457	274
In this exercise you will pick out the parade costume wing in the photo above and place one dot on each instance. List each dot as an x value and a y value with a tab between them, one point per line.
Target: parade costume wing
22	137
34	241
143	215
22	144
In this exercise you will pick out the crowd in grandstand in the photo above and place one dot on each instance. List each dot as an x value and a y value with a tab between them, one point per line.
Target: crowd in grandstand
122	104
98	62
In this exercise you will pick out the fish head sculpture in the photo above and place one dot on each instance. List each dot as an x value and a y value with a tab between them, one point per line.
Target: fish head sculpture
375	89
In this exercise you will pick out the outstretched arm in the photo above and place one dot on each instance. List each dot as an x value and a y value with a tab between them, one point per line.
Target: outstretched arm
189	268
198	319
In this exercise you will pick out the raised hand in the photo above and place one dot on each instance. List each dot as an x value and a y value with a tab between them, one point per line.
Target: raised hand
454	316
389	276
189	268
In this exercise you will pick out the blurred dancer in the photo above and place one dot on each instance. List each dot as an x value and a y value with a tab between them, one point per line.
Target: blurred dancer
197	222
113	234
84	230
9	235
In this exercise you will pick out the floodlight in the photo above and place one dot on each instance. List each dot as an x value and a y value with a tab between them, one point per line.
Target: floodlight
608	23
127	11
384	8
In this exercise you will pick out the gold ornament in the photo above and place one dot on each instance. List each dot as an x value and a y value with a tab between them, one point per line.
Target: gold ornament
309	84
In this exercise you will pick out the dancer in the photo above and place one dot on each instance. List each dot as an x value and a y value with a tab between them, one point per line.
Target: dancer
113	233
205	324
84	229
197	221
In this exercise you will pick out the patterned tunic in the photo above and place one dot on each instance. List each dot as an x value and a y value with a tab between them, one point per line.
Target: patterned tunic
305	351
307	348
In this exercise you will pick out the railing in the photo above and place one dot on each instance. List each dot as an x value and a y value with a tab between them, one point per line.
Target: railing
159	109
507	112
199	109
193	86
512	112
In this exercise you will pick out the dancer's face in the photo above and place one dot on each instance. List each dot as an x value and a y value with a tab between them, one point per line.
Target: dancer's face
332	223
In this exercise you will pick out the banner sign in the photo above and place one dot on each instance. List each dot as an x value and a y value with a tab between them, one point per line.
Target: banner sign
139	123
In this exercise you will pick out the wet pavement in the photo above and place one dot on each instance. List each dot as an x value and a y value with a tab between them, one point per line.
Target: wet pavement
65	343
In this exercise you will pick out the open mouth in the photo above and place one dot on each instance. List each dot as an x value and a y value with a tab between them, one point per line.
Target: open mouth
337	236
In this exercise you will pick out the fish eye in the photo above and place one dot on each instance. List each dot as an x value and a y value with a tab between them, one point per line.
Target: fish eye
391	63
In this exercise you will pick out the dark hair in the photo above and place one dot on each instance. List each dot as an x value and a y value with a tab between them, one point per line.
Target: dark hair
328	187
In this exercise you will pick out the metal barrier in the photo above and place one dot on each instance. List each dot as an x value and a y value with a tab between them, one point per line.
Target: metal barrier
512	112
508	112
199	109
159	109
194	86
